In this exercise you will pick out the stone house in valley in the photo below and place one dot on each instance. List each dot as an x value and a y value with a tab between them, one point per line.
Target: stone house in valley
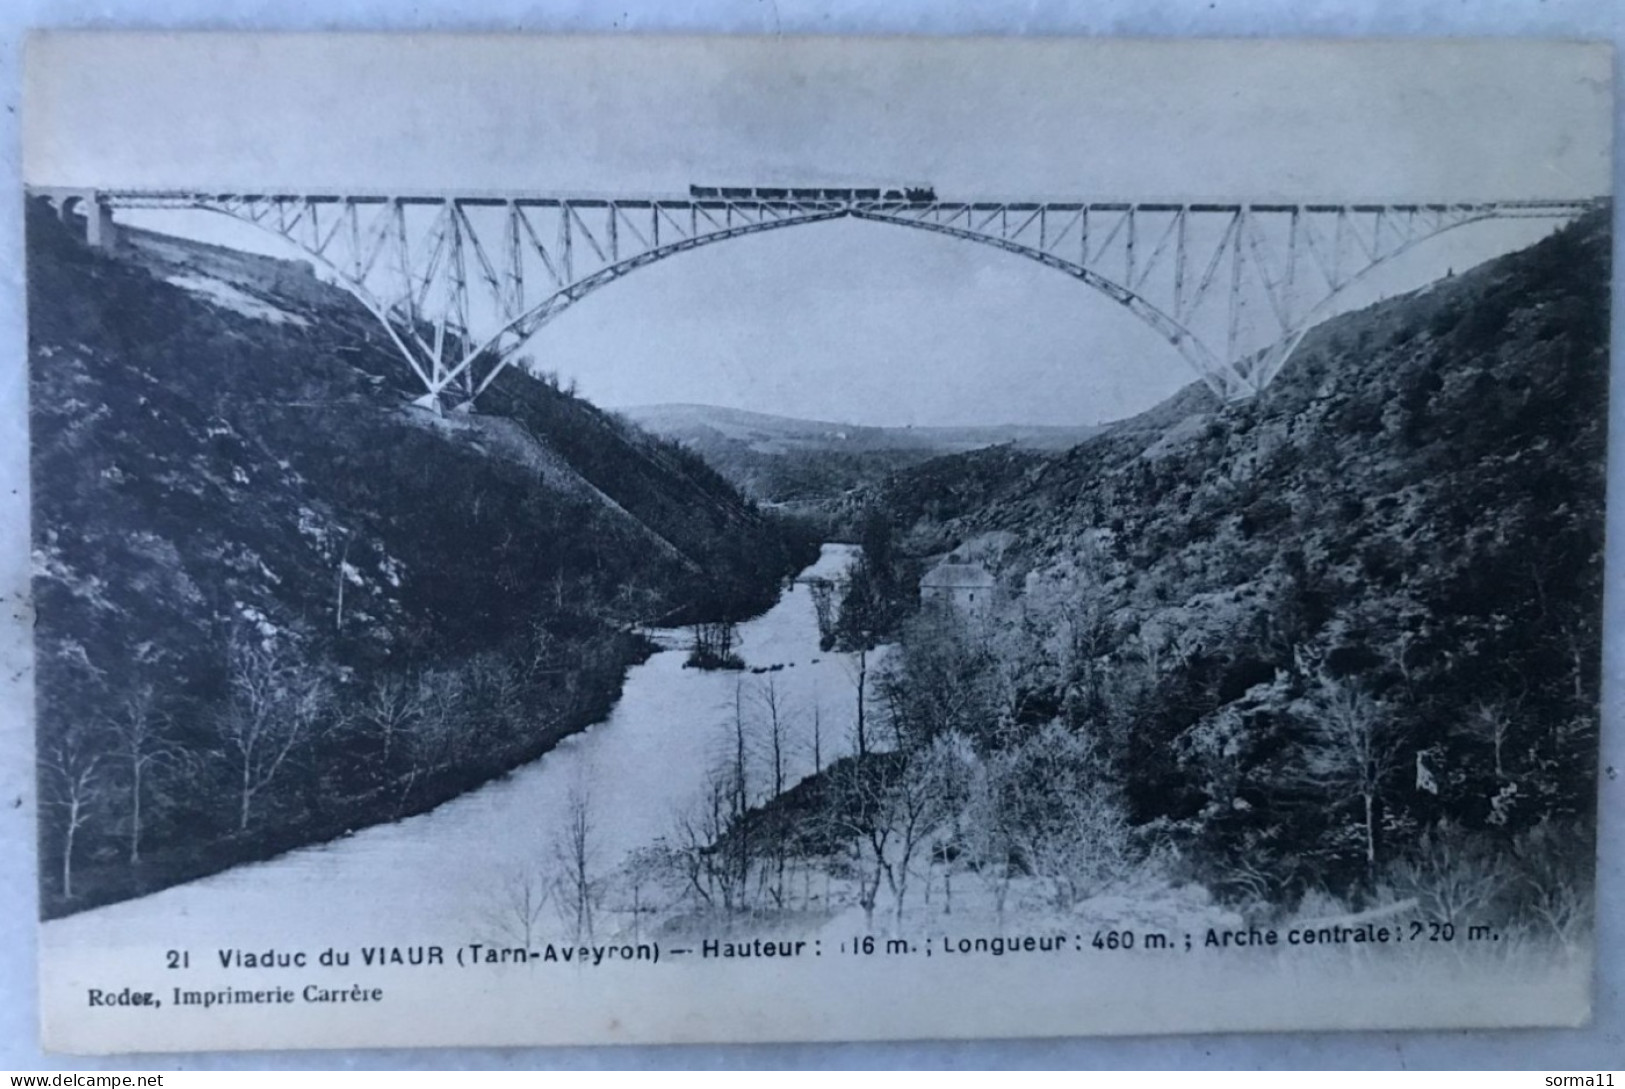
967	587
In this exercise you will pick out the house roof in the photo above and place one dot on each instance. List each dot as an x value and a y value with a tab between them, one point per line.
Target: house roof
955	576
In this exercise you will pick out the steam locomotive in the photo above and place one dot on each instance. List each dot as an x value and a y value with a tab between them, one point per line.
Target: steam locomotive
913	194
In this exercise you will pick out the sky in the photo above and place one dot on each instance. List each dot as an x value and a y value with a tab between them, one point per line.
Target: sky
843	320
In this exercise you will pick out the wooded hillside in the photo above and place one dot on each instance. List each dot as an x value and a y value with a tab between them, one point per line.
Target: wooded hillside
276	603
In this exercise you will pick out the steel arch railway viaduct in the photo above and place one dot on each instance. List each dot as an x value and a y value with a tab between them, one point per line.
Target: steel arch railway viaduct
461	280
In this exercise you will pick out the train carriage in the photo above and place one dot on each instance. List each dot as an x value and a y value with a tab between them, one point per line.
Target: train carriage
913	194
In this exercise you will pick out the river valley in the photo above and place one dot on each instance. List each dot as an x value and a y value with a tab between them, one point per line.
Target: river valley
443	875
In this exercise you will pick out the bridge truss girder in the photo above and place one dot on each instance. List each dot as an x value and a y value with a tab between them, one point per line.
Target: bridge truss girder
460	283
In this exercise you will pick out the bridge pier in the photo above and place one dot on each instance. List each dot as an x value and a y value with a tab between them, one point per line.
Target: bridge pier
100	231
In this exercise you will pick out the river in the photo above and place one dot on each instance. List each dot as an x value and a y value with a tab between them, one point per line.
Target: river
433	877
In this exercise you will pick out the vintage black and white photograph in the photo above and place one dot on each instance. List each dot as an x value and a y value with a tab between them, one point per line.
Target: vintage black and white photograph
578	540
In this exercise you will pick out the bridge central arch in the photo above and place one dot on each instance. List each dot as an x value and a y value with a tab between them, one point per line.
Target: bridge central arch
454	278
1223	380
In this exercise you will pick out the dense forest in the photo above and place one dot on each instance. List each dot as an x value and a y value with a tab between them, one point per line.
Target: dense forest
275	603
1334	648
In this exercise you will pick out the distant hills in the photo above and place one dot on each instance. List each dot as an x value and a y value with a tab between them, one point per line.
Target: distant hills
768	434
782	459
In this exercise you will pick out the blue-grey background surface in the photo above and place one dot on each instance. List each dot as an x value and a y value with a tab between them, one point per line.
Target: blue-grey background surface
1600	1046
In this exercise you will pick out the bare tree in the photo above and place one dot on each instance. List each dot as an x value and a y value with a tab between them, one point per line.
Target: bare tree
516	911
1063	819
817	738
776	722
1491	724
739	838
691	845
858	670
647	867
1081	847
988	831
860	814
72	783
1351	749
1552	879
494	682
139	743
342	575
1453	874
575	853
951	772
560	580
699	831
275	706
390	708
1087	633
541	652
433	737
921	799
892	809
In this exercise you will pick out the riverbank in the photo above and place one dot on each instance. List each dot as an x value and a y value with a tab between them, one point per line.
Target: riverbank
449	873
400	797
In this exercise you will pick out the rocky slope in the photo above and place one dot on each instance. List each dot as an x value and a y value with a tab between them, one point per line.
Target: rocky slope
1404	534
